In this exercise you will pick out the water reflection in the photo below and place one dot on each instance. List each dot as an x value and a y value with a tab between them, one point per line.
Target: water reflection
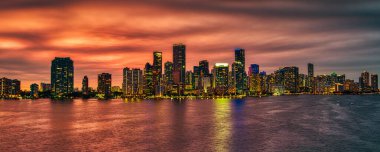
222	120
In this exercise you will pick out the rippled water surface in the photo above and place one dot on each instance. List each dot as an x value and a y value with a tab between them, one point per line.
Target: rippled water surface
286	123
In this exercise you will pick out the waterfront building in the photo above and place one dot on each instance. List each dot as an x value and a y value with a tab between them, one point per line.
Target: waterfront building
204	68
85	90
34	90
104	84
157	70
179	66
62	77
148	80
253	69
133	82
221	71
375	82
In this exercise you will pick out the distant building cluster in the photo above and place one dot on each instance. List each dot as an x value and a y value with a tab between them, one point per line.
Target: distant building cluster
171	79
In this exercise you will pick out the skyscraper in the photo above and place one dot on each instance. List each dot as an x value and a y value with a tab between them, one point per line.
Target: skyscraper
179	63
221	77
254	69
238	76
62	77
132	82
16	87
148	80
34	90
204	68
196	76
157	68
104	84
310	77
375	82
85	89
179	66
240	56
288	78
169	72
364	81
5	87
310	70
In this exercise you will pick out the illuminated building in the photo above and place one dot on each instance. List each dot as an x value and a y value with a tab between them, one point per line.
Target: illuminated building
364	82
310	76
148	80
205	84
104	84
9	87
6	87
16	87
34	90
288	77
179	66
62	77
189	80
204	68
238	76
221	77
375	82
45	87
157	69
85	90
133	82
168	73
302	83
196	77
253	69
240	56
254	84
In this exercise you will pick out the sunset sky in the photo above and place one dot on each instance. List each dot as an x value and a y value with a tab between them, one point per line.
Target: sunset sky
341	36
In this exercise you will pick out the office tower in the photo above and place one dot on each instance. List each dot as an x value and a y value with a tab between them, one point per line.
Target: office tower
204	68
310	77
9	87
240	56
104	84
341	78
148	80
169	72
310	70
132	82
189	80
62	77
364	82
179	64
238	76
196	77
375	82
221	71
254	69
34	90
6	87
85	90
288	78
45	87
157	69
16	87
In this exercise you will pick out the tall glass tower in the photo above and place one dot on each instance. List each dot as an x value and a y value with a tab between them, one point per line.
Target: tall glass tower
62	77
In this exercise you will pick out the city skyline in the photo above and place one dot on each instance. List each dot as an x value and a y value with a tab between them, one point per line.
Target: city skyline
302	70
104	37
